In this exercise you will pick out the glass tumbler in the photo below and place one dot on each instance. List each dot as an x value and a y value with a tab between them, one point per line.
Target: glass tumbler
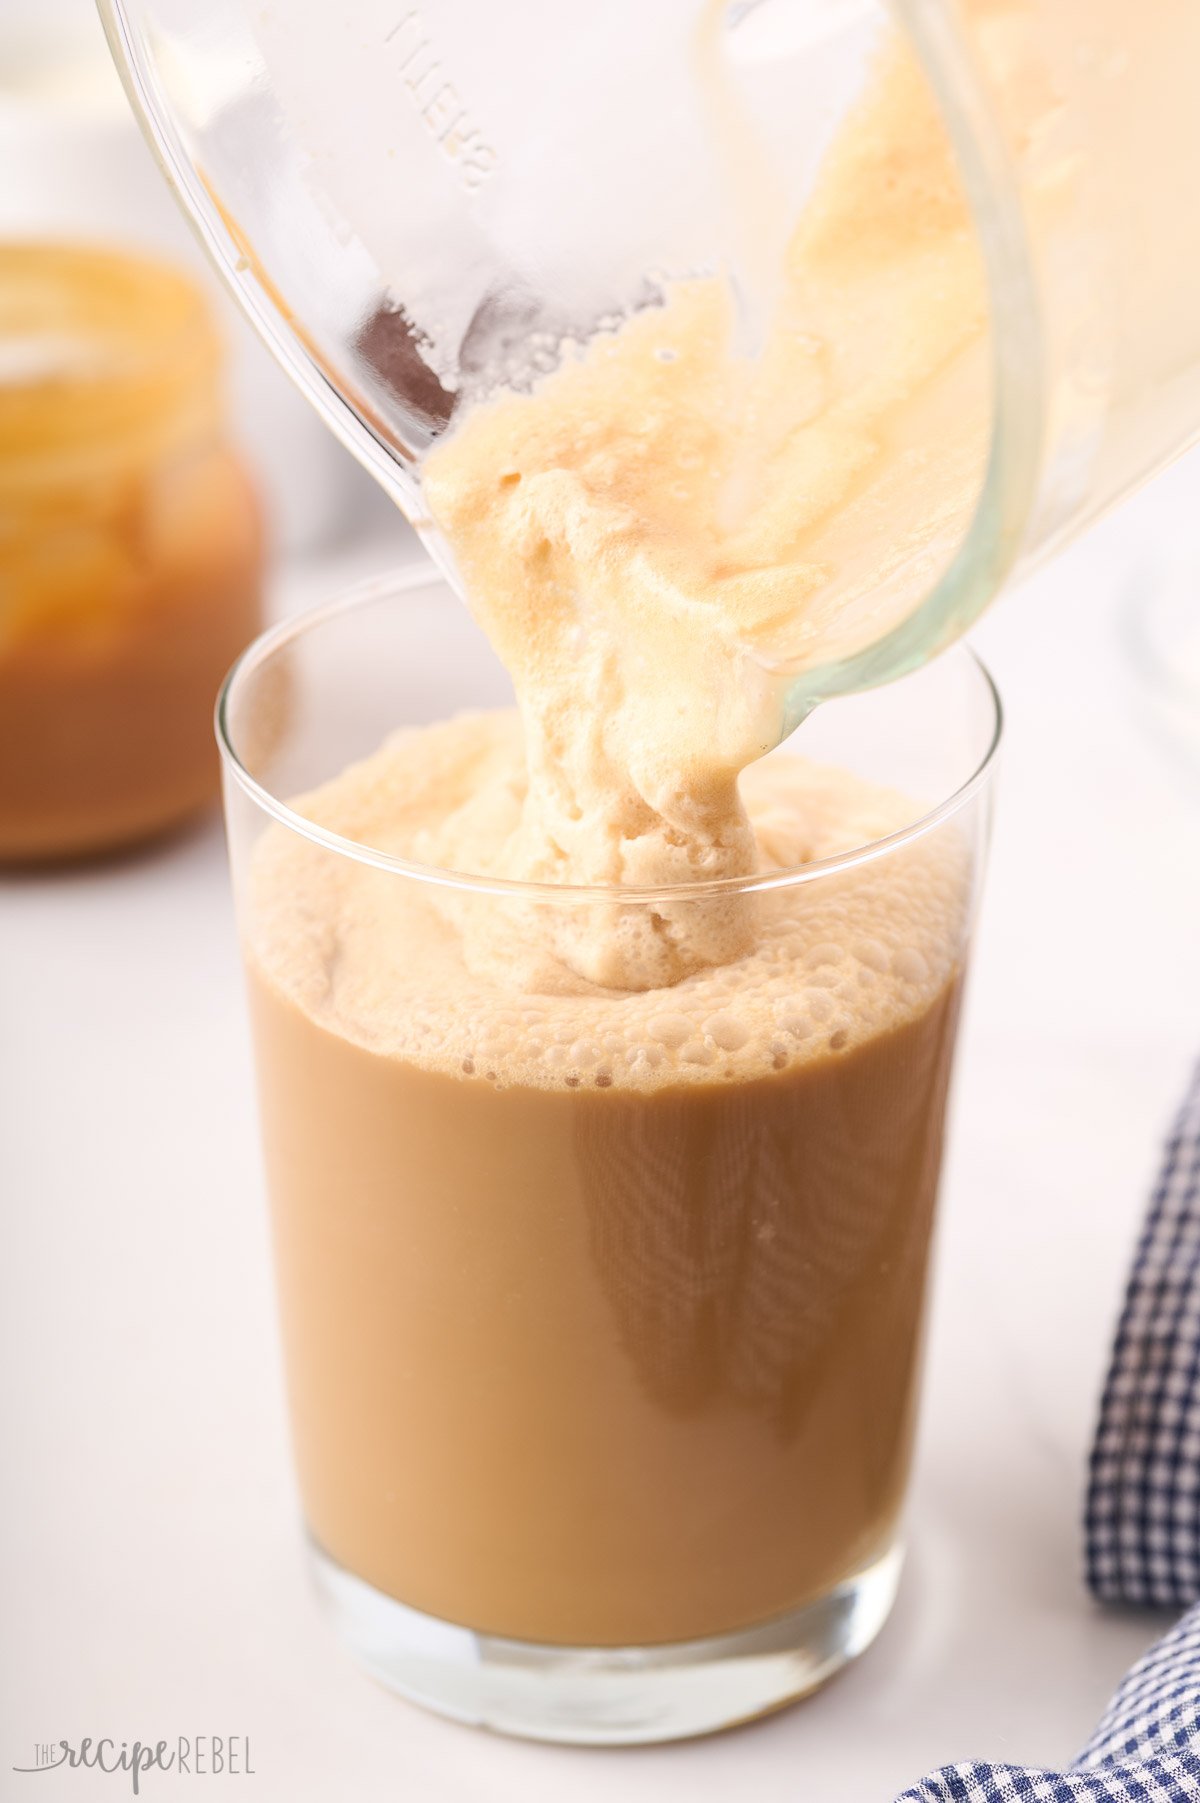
602	1309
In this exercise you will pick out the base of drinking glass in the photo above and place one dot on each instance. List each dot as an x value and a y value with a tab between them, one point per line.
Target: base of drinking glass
607	1696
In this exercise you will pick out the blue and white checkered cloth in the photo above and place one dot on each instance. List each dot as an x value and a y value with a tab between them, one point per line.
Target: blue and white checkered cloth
1143	1523
1143	1505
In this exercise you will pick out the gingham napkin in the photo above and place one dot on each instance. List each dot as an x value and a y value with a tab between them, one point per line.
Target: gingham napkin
1143	1522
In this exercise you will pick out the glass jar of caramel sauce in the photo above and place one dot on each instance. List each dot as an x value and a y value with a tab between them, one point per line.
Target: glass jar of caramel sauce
130	550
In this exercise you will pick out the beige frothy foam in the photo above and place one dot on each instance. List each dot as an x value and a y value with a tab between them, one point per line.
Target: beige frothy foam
388	965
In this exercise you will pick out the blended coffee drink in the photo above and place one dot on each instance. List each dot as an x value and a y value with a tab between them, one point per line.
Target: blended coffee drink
603	1179
602	1308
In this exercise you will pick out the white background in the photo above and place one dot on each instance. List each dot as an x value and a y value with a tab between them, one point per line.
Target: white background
152	1574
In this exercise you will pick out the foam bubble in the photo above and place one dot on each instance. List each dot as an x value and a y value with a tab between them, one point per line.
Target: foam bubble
670	1029
726	1031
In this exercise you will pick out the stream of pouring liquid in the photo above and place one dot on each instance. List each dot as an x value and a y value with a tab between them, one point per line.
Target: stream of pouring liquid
664	530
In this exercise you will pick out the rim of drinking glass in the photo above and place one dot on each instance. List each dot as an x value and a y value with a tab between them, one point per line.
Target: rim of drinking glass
398	582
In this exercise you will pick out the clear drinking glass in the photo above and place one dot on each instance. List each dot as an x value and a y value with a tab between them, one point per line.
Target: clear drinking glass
602	1311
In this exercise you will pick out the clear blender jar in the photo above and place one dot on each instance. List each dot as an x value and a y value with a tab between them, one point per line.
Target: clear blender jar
417	203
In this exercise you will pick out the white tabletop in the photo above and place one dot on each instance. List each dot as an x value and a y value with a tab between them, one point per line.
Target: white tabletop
152	1574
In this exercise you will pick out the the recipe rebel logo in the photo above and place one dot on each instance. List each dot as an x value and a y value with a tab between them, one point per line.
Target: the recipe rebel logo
204	1756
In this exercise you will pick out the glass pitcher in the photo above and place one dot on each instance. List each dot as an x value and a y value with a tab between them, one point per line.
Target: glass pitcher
414	202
